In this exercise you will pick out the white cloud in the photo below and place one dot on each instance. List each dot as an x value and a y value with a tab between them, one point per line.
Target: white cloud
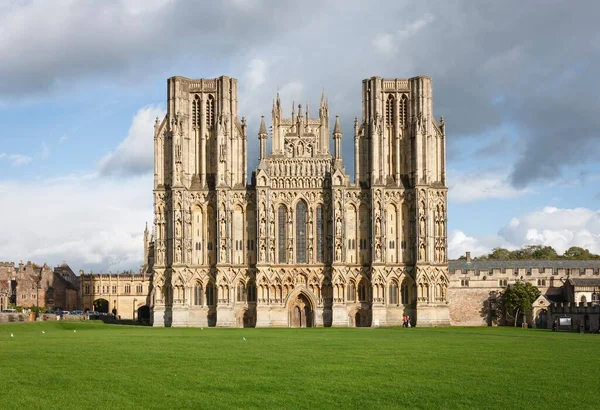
135	154
63	139
256	73
550	226
16	159
388	43
477	186
459	243
91	222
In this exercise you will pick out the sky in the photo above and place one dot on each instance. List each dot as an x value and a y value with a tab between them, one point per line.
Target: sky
81	83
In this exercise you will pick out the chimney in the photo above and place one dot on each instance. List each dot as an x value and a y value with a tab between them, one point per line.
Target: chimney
468	256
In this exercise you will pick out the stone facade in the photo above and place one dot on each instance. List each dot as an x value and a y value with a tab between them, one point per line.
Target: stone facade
300	245
566	286
126	292
33	285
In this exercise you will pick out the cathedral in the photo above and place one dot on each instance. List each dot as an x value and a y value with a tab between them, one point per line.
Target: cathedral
303	244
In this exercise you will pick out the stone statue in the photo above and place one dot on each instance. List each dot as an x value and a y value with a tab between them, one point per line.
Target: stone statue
422	252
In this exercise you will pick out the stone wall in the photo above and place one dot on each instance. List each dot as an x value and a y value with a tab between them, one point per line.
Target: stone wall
466	306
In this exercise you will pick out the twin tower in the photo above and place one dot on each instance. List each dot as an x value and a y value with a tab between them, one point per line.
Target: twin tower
301	245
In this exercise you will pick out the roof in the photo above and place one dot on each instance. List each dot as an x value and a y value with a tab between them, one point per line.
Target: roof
337	128
584	282
477	265
263	128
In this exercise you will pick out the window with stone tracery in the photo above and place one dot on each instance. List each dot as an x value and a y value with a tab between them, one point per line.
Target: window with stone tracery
210	294
320	243
403	109
301	232
198	294
196	111
389	110
282	234
241	292
393	293
210	111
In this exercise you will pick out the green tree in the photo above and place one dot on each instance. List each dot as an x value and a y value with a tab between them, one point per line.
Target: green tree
499	254
575	252
518	298
544	252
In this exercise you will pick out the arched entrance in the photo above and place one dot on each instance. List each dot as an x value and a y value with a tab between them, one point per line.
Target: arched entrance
541	321
361	318
143	314
101	305
300	311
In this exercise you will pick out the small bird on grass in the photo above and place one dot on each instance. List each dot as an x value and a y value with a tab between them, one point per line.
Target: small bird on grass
244	339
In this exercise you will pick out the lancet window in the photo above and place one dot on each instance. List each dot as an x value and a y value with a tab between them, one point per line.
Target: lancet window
301	232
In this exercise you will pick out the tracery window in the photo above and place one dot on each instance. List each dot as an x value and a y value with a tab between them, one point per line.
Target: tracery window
128	288
403	109
389	110
301	232
351	292
210	294
210	111
139	289
196	111
404	290
251	292
282	233
393	293
198	294
241	292
320	244
362	292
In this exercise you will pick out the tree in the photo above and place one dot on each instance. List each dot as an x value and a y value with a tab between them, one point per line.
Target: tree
518	298
499	254
575	252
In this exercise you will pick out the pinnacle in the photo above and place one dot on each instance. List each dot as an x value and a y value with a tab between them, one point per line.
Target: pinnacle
263	128
337	129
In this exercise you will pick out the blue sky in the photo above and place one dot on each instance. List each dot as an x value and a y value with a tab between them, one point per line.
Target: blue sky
518	92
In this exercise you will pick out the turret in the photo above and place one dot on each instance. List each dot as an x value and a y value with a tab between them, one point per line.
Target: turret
262	139
337	139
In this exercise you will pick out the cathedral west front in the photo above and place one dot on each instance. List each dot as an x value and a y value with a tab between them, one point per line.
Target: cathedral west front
303	244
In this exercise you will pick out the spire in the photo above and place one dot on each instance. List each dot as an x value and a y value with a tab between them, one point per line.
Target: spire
263	128
323	98
299	110
278	100
337	129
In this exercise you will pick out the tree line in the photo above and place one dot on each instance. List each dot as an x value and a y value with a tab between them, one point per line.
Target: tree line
536	252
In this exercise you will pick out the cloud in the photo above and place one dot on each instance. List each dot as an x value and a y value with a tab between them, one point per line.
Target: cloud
480	185
63	139
97	39
388	43
91	222
135	154
256	74
16	160
560	228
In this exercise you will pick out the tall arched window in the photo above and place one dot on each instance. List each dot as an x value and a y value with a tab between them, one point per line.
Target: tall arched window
198	294
320	243
389	110
251	292
210	111
196	111
210	294
403	109
301	232
282	233
362	291
351	292
393	293
241	292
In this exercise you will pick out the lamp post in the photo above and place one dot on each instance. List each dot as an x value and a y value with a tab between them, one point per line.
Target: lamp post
134	303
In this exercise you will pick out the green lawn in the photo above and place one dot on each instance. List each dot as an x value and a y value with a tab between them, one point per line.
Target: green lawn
125	367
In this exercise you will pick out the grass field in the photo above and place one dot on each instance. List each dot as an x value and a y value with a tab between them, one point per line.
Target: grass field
125	367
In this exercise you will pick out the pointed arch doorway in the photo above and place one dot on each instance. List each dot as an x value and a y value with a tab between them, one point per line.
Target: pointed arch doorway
300	311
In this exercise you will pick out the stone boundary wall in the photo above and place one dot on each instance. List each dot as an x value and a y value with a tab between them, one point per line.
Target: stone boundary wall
24	317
